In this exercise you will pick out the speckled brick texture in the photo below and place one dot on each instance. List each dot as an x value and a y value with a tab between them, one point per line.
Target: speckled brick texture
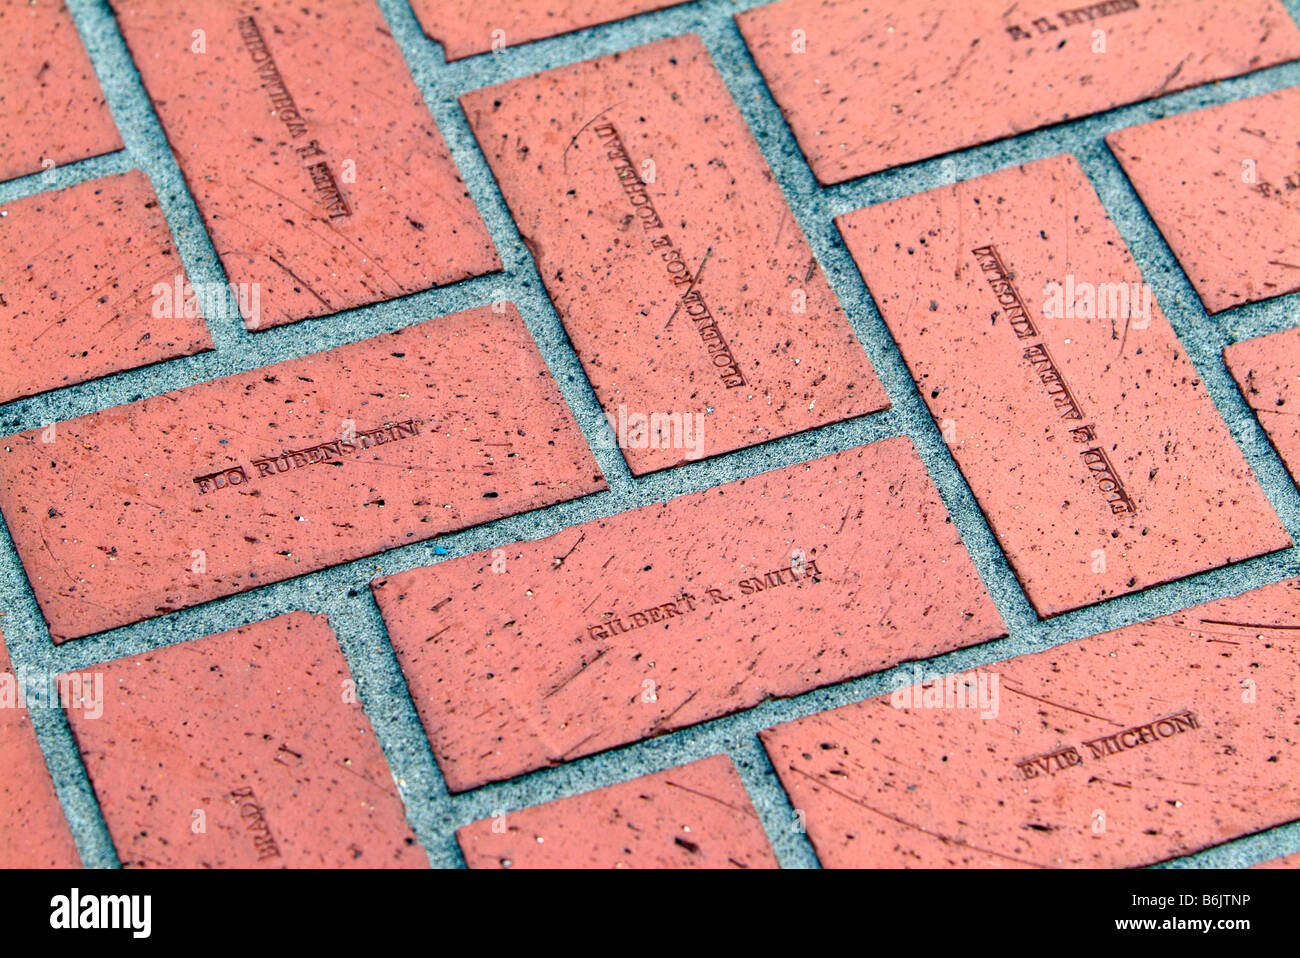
1265	370
467	27
1083	430
1286	861
318	171
694	293
673	614
869	86
288	469
33	831
87	275
1124	749
911	571
52	110
243	750
1223	185
695	816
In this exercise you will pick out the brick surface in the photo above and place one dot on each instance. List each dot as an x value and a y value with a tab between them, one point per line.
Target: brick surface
467	27
52	110
1265	369
696	294
508	681
695	816
1084	431
81	271
1286	861
1223	185
1124	749
178	499
669	615
876	87
245	749
316	166
33	831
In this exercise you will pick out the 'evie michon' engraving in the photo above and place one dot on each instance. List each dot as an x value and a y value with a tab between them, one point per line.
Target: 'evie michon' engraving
1098	748
612	625
335	449
1094	457
311	154
679	273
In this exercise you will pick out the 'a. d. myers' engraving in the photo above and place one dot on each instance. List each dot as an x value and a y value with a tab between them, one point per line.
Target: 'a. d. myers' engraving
335	449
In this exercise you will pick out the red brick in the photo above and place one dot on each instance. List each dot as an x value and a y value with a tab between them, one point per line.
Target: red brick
1223	185
78	269
33	831
51	107
406	223
690	308
693	816
1044	463
1265	369
467	27
1286	861
513	658
878	88
259	730
886	786
108	515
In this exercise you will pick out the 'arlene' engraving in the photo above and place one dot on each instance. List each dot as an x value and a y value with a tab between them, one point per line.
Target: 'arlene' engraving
271	466
1094	457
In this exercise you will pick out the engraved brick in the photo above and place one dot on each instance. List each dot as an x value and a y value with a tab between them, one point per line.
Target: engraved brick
217	488
1072	410
315	165
869	88
693	816
52	110
467	27
1200	708
1223	185
656	619
87	279
33	831
695	295
240	750
1265	368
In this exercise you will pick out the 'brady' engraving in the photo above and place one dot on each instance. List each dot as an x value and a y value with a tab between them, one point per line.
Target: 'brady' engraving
254	817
